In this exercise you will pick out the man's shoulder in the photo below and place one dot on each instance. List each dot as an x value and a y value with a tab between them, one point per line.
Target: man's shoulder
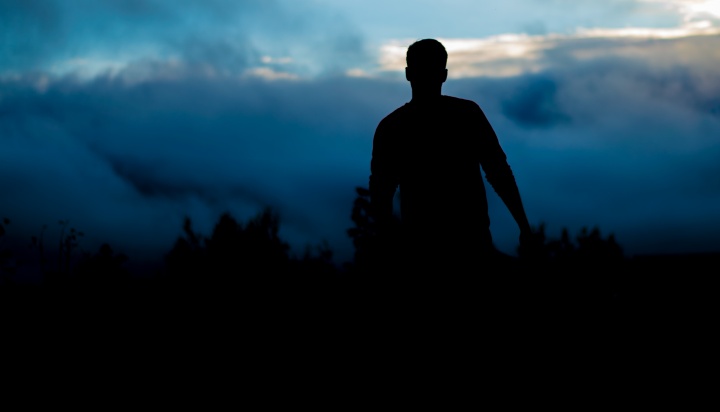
405	108
396	115
460	103
448	104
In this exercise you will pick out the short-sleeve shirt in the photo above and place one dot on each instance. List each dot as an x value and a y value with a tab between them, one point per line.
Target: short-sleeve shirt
434	153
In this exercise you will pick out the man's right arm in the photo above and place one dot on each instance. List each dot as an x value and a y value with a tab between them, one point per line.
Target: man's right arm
383	176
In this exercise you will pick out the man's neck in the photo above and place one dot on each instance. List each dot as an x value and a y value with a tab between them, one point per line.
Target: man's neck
422	93
425	97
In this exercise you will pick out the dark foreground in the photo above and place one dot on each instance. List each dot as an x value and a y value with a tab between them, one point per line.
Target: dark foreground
642	292
308	339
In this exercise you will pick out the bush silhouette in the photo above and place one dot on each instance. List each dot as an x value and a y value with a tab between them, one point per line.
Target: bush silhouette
104	269
589	247
241	255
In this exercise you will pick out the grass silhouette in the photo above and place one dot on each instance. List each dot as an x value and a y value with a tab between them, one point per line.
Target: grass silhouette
249	262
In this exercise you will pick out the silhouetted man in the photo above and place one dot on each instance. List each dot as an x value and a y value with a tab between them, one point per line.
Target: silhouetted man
432	149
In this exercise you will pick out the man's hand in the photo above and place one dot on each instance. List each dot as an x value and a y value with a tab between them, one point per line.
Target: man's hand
532	244
527	237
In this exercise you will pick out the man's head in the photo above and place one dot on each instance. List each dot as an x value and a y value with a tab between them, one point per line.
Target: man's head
426	60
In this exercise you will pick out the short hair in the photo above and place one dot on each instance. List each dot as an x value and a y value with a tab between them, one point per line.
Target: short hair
427	53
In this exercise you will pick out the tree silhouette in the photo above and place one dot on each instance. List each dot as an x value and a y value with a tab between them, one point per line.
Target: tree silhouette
103	269
589	247
243	255
248	254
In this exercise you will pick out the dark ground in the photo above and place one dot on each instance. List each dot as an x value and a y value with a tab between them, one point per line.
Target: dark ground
642	291
602	332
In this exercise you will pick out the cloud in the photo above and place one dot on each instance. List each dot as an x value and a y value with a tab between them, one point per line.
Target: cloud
623	143
217	36
31	30
124	161
692	10
513	54
534	103
501	56
626	141
614	130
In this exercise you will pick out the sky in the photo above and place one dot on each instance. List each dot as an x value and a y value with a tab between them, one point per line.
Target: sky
126	116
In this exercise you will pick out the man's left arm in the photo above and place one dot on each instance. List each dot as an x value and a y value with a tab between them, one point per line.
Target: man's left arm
498	173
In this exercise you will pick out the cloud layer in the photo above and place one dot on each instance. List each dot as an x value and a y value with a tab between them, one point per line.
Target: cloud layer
613	130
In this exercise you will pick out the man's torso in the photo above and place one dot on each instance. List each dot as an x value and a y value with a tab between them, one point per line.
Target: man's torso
437	150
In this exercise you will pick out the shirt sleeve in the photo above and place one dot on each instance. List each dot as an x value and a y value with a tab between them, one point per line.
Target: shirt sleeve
492	157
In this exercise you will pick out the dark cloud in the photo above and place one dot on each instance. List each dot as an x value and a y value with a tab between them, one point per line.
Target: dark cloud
638	154
158	150
534	103
30	30
228	55
219	36
624	141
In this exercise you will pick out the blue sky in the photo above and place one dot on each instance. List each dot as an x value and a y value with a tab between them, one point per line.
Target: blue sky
126	116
